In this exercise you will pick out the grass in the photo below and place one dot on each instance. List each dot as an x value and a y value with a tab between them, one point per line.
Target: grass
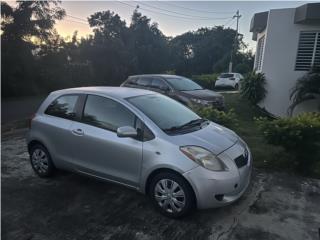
264	155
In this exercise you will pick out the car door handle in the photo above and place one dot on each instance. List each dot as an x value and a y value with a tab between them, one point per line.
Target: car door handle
78	132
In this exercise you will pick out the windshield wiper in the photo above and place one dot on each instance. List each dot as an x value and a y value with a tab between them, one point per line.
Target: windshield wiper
192	123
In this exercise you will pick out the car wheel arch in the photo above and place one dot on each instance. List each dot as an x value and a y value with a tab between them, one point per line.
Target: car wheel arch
35	142
161	170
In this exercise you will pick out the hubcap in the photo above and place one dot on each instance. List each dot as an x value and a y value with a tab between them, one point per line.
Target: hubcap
169	195
40	161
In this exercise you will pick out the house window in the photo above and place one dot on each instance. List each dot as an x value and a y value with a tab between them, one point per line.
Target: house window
259	54
308	51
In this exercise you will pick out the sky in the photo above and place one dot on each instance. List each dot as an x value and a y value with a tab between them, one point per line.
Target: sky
173	17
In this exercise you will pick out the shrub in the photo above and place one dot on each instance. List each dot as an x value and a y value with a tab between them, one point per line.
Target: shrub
299	135
205	80
253	87
227	119
306	88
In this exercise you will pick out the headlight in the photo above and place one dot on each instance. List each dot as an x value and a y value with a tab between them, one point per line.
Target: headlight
200	101
203	157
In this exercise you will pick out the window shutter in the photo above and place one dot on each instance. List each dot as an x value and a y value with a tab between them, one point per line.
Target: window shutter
308	51
259	53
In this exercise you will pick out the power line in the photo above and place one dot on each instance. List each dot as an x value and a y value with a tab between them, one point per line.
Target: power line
81	19
195	10
76	21
181	17
229	23
188	15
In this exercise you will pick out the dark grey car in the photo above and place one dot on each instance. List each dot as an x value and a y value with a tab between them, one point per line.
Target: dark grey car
179	88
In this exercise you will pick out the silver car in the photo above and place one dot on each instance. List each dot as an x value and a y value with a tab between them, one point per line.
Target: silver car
143	140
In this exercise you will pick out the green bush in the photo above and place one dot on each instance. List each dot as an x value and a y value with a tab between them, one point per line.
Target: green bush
299	135
205	80
253	87
227	119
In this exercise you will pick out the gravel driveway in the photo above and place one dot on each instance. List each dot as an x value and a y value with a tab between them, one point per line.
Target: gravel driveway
70	206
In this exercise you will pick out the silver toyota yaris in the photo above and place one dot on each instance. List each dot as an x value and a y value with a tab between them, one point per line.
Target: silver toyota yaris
143	140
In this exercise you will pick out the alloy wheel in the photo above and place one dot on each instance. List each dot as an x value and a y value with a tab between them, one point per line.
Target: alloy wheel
169	195
40	161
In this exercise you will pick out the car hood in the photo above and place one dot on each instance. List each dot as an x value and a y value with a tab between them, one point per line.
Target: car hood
202	94
213	137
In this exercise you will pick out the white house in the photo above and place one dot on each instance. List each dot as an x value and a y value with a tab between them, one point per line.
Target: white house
288	44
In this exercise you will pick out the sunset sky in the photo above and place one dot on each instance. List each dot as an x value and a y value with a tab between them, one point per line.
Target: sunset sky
173	17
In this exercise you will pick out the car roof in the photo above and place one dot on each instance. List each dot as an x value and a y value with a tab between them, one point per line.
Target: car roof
154	75
115	92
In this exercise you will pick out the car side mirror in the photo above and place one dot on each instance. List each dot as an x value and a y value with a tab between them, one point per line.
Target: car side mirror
126	131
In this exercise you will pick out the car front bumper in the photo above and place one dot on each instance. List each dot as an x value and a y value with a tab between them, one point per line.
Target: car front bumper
216	189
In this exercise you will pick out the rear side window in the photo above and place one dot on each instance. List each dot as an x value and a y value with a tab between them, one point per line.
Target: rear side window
144	82
132	81
158	83
106	113
63	107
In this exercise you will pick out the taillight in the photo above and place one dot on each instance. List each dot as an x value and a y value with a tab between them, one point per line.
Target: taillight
30	120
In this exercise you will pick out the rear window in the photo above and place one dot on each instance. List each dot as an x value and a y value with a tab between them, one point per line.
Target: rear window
226	75
63	107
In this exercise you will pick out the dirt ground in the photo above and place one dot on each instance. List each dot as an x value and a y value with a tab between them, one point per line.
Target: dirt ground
70	206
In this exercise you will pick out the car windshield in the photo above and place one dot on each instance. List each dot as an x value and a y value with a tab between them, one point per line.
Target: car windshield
183	84
226	75
165	112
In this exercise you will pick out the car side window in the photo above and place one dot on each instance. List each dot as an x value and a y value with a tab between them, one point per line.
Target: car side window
63	107
132	81
144	82
158	83
106	113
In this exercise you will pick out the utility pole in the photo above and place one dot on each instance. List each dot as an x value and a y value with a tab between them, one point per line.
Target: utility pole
235	40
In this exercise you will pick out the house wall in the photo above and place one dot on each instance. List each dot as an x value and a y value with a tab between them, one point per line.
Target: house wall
279	56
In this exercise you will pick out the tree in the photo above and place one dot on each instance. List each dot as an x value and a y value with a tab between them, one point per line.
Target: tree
149	46
202	51
22	26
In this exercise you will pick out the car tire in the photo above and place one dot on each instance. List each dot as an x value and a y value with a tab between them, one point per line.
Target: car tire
172	195
41	161
236	87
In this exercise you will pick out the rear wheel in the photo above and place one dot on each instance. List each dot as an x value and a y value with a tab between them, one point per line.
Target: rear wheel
171	195
41	161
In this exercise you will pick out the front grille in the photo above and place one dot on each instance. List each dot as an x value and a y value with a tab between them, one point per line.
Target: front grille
242	160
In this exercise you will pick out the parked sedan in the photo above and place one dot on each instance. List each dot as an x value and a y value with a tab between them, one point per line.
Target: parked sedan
229	80
182	89
143	140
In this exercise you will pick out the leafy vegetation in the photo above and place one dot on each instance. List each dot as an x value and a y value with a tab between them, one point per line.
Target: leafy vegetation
227	118
299	135
306	88
36	59
265	155
205	80
253	87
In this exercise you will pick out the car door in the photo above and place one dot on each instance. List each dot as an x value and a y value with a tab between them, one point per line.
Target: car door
55	126
98	150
